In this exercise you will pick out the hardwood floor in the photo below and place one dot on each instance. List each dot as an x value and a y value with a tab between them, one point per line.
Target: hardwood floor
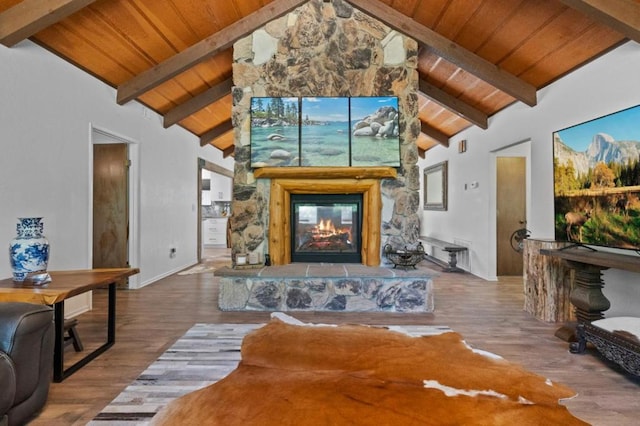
488	314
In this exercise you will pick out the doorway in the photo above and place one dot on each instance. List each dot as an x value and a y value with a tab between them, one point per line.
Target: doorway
210	194
110	206
511	212
114	219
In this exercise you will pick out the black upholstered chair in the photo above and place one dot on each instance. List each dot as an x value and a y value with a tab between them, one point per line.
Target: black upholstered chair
26	360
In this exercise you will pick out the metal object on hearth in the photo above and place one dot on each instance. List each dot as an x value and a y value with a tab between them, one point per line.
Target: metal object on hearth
404	258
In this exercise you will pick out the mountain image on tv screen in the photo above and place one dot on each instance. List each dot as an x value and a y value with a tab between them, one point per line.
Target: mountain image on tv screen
597	181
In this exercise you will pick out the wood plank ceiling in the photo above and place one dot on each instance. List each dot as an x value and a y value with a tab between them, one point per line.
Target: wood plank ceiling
175	56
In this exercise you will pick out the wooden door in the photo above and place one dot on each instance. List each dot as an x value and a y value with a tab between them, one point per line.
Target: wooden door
511	212
110	206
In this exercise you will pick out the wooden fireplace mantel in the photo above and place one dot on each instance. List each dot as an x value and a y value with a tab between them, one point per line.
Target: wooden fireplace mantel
326	172
323	183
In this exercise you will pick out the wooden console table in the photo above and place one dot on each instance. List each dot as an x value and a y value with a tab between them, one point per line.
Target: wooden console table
587	296
63	285
588	299
547	282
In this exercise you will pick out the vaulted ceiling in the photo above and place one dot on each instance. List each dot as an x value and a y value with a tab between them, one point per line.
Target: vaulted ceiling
175	56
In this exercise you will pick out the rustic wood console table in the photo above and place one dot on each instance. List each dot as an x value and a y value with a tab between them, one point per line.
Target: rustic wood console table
63	285
547	284
586	296
590	303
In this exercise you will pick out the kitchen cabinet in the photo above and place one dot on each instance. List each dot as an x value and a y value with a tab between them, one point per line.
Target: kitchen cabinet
214	231
206	198
215	187
220	187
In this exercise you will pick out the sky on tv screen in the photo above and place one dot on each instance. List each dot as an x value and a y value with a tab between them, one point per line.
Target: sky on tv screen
621	127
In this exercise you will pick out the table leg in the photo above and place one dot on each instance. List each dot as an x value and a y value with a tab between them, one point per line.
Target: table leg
453	261
588	300
58	348
111	319
586	295
58	367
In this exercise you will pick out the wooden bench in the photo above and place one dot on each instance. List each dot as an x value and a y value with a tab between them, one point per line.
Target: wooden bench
452	249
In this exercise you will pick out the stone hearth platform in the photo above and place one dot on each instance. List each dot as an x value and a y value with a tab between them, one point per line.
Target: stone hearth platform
326	287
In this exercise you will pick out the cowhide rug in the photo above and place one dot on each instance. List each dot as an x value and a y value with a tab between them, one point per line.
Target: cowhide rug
296	374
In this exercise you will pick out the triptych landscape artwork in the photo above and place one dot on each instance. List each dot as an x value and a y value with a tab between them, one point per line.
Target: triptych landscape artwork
325	132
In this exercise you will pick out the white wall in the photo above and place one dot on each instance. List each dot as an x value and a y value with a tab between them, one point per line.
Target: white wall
606	85
47	110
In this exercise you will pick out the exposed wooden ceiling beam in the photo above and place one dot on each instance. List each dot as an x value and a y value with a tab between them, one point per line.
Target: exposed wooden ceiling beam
434	134
216	132
450	51
202	50
197	103
228	151
424	144
454	104
423	148
621	15
30	16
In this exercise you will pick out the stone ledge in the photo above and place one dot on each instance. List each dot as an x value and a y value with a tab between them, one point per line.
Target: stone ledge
326	287
327	270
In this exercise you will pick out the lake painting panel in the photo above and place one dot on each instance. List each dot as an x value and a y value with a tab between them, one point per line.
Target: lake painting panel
375	131
275	132
325	132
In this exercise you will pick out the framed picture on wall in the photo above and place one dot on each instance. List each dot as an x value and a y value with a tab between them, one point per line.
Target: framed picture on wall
275	132
375	131
325	132
324	127
435	186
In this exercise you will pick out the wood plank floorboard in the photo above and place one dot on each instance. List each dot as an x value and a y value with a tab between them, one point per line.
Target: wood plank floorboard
489	315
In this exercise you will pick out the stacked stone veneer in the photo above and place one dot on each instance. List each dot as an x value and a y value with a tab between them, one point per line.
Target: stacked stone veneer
285	289
325	49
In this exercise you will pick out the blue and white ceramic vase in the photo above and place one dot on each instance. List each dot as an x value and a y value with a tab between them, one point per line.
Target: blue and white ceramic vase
29	251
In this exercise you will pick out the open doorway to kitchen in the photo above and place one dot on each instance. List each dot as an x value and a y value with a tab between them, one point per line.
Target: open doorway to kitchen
215	188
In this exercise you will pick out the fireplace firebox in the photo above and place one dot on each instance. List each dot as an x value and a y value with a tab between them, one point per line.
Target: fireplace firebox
326	228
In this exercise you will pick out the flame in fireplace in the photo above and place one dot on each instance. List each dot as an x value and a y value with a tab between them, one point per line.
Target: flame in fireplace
324	236
327	227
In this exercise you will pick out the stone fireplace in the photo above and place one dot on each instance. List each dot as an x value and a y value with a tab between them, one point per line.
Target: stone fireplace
324	49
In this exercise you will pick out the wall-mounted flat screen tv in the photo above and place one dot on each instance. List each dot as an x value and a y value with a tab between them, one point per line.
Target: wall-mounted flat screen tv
325	131
597	181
